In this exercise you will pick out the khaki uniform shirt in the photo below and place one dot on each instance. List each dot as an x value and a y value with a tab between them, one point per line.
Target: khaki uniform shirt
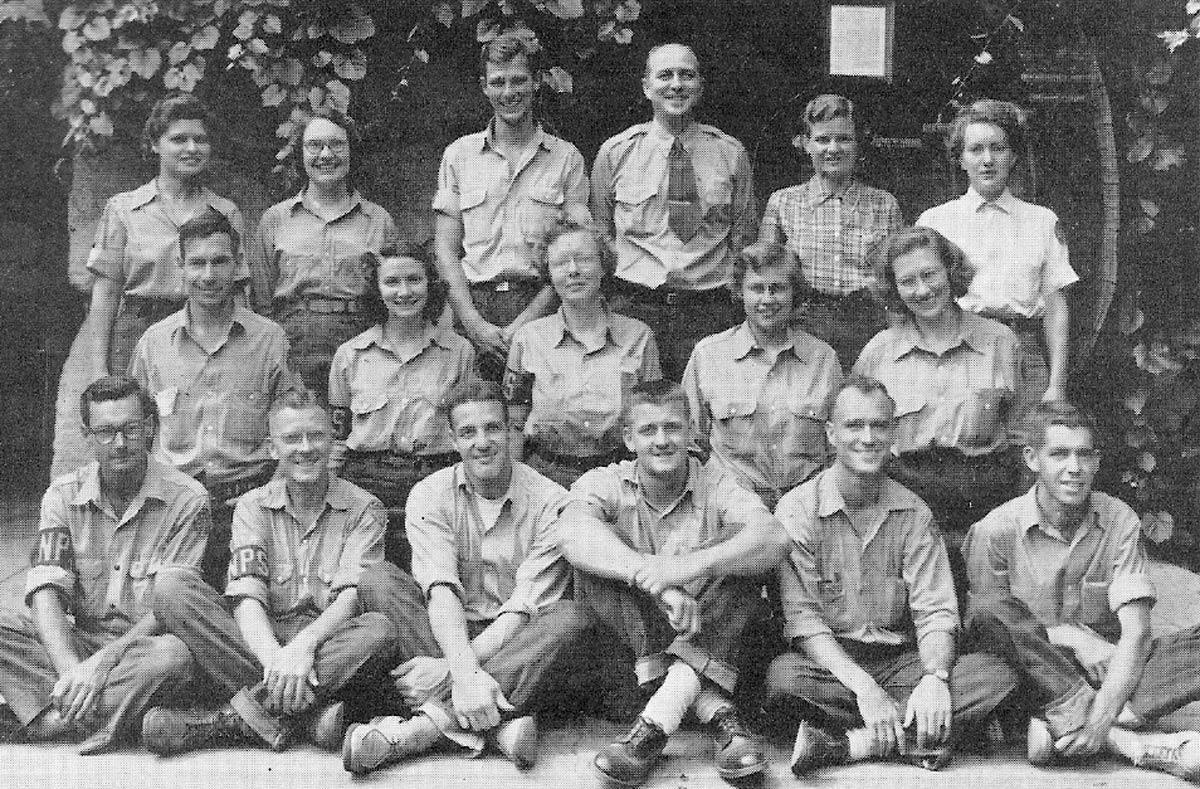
512	566
505	206
213	408
104	563
889	584
291	570
629	200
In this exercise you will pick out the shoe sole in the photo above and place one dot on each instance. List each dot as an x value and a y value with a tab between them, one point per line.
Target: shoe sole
335	720
616	781
348	753
524	755
1039	744
742	772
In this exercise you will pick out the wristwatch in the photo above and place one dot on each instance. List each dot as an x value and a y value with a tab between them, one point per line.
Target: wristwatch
941	674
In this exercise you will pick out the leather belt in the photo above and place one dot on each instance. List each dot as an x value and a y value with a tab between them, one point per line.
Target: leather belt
669	297
221	492
506	284
441	460
327	305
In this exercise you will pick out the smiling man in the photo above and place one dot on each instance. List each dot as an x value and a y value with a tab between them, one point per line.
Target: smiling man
288	643
670	555
870	610
1060	589
678	198
497	189
213	369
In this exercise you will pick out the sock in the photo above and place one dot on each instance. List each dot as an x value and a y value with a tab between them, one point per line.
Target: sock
1125	743
708	703
862	744
673	698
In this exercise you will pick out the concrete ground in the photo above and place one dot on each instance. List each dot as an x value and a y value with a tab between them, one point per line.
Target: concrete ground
566	752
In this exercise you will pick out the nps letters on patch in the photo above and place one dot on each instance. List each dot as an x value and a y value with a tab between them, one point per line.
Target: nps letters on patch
55	549
250	560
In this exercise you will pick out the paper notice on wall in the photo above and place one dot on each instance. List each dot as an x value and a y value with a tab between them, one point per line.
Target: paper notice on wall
860	40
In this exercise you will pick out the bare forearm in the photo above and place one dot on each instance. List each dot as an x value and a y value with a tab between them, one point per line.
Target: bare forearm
53	630
496	635
937	651
338	613
255	626
102	313
826	652
588	545
1124	673
448	251
448	622
1056	324
756	550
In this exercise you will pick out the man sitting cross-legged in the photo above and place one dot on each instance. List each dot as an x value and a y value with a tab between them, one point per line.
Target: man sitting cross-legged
1060	589
288	643
670	555
870	609
106	532
485	638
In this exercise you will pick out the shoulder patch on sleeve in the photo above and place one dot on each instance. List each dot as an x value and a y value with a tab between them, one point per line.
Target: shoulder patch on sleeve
518	387
249	561
54	548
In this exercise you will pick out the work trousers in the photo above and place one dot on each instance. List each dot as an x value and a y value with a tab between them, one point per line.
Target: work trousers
351	661
677	327
153	669
313	338
133	317
846	322
1005	627
499	302
800	689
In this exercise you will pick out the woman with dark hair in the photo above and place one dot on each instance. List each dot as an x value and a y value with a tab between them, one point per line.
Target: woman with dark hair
568	372
386	385
829	224
307	258
953	376
1018	249
136	252
757	392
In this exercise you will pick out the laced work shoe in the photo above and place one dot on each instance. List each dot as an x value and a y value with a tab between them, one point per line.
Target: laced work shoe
738	754
628	761
1039	742
386	739
325	726
517	740
167	732
815	748
1177	754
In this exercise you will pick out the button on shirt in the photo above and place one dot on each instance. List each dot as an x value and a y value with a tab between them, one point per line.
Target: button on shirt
297	253
891	584
393	397
1017	249
831	234
764	420
213	407
578	388
504	205
958	399
713	508
105	563
294	570
1081	580
512	566
629	199
137	242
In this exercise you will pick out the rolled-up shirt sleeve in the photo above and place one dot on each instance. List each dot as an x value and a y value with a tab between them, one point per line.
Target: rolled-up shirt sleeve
107	256
542	575
52	562
445	200
430	531
599	488
930	584
799	580
249	561
363	547
1130	578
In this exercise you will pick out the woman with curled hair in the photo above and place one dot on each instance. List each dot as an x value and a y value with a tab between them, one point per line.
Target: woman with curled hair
757	392
386	384
135	255
953	375
307	257
1018	250
568	372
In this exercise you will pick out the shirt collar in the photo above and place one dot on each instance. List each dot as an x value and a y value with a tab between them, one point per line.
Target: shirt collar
831	500
433	335
628	473
662	138
179	322
301	200
814	193
276	496
148	192
462	483
744	342
559	330
489	137
974	201
1029	513
908	338
153	486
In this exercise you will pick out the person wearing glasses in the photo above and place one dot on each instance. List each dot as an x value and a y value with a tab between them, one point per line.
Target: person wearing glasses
306	259
214	368
105	532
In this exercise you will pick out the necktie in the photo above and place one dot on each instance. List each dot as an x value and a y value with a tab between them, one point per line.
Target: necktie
683	207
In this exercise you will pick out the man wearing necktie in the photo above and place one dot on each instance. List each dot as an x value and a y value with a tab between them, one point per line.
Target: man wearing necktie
677	197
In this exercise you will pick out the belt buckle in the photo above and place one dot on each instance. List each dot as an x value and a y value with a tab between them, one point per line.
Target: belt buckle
503	286
672	298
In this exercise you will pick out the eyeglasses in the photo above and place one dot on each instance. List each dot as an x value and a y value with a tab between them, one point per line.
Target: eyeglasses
129	432
316	146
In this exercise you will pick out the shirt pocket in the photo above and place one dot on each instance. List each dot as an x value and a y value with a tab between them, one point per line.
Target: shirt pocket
540	207
246	419
141	578
282	587
474	214
634	211
808	428
733	427
980	417
91	586
1093	602
298	269
717	194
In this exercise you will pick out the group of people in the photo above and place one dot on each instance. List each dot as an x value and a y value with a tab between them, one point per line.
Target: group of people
550	466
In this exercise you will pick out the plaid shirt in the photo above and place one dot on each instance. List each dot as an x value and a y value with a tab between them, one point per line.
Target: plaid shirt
831	234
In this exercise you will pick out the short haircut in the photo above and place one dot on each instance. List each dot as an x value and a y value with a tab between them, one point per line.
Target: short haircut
210	223
661	393
473	390
565	225
654	50
860	383
828	107
373	304
338	118
764	255
1045	415
115	387
1008	116
883	257
167	110
507	47
295	398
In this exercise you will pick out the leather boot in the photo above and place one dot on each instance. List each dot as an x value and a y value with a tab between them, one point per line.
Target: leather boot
167	732
628	761
815	748
325	726
738	754
387	739
517	740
